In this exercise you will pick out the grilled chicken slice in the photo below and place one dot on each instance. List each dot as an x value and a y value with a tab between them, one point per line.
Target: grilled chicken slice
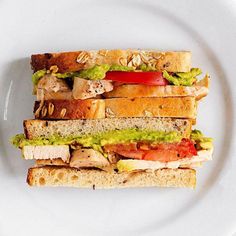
50	87
45	95
83	89
47	152
113	158
88	158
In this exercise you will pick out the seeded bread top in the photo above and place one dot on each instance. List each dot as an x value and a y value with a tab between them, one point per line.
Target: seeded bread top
172	61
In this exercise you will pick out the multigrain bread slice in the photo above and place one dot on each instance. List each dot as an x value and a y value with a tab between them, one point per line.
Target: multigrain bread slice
64	128
69	177
70	109
179	107
151	107
175	61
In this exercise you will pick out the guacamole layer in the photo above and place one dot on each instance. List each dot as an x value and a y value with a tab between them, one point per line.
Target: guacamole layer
98	72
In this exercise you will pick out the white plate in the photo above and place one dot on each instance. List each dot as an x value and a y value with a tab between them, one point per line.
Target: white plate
207	28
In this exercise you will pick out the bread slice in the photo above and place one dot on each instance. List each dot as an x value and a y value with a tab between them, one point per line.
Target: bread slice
70	109
179	107
151	107
175	61
137	90
84	178
41	128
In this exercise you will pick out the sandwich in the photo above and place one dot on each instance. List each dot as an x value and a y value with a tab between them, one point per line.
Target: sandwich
115	119
104	83
113	152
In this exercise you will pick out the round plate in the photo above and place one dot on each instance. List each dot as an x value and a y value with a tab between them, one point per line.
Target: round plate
207	28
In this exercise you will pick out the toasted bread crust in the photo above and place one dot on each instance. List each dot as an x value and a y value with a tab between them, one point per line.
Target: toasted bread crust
71	177
176	61
178	107
137	90
70	109
151	107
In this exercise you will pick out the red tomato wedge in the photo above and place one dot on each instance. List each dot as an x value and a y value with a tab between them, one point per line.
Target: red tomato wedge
120	147
148	78
163	152
185	148
161	155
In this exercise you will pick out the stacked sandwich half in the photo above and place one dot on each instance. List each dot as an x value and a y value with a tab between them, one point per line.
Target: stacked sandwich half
115	118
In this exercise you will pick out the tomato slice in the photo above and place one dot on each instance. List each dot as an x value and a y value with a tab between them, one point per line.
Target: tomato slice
185	148
163	152
132	154
120	147
148	78
171	151
161	155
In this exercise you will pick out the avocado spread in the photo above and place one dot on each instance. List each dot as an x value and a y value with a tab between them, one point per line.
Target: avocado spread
40	73
37	76
183	78
120	68
96	141
98	72
146	68
95	73
201	141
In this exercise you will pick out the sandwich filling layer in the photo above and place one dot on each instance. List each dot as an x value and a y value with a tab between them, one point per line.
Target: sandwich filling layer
101	139
102	79
114	148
